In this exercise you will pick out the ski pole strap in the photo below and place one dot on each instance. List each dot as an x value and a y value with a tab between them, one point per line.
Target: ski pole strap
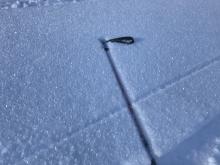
123	40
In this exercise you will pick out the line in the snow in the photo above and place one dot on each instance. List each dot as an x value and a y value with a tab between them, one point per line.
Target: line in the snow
134	116
177	79
35	154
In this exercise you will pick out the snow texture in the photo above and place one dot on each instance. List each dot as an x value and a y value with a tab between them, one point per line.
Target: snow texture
172	72
173	40
55	80
202	148
57	87
209	154
111	141
14	4
175	113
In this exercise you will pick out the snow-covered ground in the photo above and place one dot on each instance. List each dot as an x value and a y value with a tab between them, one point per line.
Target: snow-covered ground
12	4
60	102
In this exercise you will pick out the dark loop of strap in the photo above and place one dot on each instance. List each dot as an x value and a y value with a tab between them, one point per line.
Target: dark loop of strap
123	40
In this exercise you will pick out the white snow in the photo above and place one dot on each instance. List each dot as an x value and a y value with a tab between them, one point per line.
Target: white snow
13	4
209	154
63	82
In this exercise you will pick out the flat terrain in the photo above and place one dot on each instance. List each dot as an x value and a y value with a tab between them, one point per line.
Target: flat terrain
64	99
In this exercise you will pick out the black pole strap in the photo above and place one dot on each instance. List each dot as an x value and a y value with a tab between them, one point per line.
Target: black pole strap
123	40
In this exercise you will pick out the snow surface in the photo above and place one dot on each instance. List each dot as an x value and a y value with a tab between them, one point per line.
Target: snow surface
14	4
202	148
55	81
172	73
111	141
59	100
173	39
175	113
